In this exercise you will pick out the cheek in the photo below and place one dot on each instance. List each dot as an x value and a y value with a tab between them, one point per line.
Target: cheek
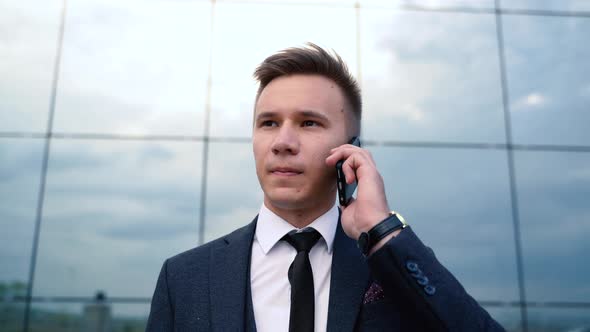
319	164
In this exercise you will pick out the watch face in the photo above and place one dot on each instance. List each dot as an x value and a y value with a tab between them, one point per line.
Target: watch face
363	242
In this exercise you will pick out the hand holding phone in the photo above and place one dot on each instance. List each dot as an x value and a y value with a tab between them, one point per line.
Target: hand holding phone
345	190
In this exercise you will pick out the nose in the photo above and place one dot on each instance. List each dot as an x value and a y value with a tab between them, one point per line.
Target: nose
286	141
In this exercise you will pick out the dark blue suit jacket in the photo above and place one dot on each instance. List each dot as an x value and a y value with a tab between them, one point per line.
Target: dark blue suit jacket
401	287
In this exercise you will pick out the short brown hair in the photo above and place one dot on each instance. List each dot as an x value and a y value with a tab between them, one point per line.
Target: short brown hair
313	60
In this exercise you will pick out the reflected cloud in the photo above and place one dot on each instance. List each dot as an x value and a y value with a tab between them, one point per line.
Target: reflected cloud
546	67
233	88
555	223
531	101
234	195
457	199
20	172
430	84
28	41
562	5
134	67
130	205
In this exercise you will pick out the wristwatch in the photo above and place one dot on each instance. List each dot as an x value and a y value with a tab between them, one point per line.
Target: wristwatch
387	226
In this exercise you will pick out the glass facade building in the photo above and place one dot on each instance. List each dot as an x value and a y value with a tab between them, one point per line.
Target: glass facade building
125	138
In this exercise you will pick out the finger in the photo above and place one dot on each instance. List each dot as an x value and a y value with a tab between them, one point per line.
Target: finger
349	171
342	152
336	155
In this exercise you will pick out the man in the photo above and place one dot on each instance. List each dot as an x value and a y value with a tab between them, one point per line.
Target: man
260	277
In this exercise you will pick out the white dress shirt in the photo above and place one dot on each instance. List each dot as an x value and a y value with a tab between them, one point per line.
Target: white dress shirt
271	258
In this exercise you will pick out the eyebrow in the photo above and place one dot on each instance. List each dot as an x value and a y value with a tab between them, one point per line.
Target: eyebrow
304	113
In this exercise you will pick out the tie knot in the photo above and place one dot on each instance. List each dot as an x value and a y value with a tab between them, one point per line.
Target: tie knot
303	241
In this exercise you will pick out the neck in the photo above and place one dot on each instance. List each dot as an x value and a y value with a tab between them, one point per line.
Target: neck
300	217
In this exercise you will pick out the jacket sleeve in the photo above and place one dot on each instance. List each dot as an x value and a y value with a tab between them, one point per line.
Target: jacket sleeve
405	266
161	318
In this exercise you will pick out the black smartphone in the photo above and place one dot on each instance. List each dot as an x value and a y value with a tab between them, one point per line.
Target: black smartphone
345	190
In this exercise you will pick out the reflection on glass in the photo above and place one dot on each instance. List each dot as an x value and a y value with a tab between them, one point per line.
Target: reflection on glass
233	192
100	316
553	191
11	313
559	319
28	42
113	212
561	5
20	170
508	317
431	4
458	203
245	34
548	82
430	77
134	67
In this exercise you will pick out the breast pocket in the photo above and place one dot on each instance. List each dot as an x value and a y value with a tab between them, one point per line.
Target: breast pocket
380	315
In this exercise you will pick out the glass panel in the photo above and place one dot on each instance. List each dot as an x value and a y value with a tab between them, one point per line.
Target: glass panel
234	89
559	319
92	316
547	68
458	202
431	4
234	196
332	3
20	170
134	67
28	44
553	191
509	318
430	77
113	212
11	312
561	5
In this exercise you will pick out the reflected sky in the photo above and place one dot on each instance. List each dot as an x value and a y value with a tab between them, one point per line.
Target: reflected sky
555	220
457	201
233	192
509	318
238	36
20	170
557	319
548	79
134	67
430	3
561	5
429	84
28	41
113	212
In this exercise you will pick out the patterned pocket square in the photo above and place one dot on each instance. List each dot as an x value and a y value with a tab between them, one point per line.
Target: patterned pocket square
374	293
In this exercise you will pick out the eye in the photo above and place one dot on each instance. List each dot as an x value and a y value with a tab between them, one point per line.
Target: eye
309	123
268	123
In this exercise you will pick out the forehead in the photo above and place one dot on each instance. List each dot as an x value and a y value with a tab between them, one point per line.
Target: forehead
301	92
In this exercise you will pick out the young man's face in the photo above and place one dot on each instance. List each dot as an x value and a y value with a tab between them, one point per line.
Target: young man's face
297	120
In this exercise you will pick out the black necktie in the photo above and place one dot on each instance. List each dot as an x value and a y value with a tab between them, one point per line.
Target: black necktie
301	279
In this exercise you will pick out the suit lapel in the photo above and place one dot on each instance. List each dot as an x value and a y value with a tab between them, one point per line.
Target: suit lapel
229	278
350	276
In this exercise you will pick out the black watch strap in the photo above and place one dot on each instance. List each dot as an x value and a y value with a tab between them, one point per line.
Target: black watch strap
387	226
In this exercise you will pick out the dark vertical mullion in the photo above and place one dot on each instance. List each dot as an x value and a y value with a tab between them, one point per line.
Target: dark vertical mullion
206	133
44	165
511	170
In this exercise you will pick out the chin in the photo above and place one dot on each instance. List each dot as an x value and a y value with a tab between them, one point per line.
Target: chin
286	198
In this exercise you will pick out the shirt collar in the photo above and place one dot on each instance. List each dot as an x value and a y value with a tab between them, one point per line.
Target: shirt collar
271	228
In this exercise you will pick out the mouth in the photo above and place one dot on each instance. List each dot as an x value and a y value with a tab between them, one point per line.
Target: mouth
285	171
